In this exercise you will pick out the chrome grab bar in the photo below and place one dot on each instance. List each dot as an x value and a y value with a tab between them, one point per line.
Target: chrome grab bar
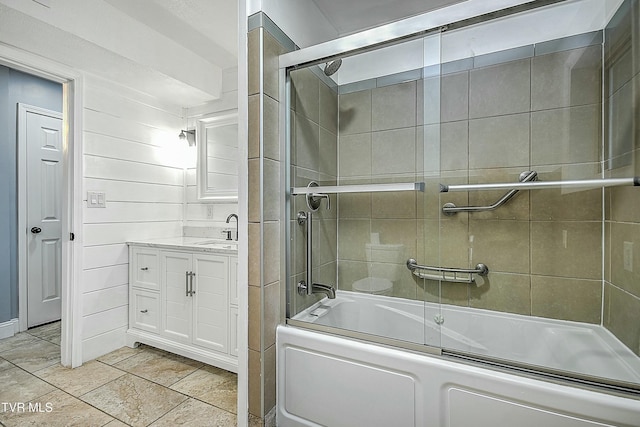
451	209
448	274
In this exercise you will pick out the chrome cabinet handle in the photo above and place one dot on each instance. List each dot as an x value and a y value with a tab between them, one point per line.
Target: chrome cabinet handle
188	283
144	268
36	230
144	311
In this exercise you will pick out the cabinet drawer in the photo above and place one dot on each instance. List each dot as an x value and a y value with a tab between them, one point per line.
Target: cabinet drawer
145	310
144	268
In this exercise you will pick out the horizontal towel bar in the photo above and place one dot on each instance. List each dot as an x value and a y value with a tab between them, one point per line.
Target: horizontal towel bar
448	274
539	185
359	188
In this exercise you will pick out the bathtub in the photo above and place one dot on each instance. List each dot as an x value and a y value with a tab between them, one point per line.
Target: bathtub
331	380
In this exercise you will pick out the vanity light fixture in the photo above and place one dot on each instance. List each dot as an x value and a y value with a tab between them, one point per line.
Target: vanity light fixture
189	135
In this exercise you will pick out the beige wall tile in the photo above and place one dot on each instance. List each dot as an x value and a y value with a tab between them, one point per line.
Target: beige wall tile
622	316
454	146
354	233
454	102
270	378
629	234
271	132
325	245
624	204
428	102
566	135
566	299
271	313
354	205
255	384
510	293
254	254
428	147
328	153
306	87
500	89
394	205
254	126
328	108
499	142
397	231
566	78
253	58
446	243
255	318
271	198
446	293
254	190
502	245
354	158
307	143
349	272
272	50
394	106
567	249
326	273
354	112
393	152
271	250
566	205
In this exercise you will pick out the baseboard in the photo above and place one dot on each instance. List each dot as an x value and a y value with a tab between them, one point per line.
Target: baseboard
9	328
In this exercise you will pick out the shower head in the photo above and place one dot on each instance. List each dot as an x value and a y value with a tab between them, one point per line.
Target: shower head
331	67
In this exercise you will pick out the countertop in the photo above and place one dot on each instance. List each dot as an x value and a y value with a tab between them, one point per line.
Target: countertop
196	244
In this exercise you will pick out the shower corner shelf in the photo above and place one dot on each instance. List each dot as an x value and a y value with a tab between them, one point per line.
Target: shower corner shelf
359	188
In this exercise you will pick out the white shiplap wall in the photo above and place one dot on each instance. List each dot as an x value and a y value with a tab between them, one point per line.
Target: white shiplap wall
132	153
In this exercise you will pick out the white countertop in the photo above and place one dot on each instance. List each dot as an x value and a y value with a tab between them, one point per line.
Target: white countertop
199	244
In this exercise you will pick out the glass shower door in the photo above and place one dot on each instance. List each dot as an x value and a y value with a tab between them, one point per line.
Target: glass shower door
363	127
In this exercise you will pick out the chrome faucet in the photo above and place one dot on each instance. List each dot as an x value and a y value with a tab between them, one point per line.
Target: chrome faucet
230	231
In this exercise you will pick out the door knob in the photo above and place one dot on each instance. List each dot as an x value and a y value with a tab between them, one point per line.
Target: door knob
36	230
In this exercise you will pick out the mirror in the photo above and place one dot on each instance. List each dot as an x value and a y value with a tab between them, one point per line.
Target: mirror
217	141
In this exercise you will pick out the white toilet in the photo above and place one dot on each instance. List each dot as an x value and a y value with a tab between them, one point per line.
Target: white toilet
383	263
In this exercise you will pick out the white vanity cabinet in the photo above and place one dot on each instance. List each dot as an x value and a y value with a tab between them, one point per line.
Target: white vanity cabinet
185	302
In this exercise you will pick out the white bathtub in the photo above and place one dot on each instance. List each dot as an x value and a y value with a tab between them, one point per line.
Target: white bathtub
333	381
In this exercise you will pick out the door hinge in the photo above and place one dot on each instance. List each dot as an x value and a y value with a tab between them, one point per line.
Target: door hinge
72	237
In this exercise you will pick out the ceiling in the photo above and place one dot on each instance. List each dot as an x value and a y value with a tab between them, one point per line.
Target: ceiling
355	15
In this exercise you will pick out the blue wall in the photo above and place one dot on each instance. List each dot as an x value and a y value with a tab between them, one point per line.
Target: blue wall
15	87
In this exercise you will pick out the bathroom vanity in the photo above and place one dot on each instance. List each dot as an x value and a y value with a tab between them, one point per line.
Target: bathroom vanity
183	298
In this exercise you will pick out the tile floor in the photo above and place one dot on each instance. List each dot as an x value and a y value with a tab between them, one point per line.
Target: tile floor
128	387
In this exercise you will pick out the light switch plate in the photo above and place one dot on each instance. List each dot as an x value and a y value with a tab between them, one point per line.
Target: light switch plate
96	199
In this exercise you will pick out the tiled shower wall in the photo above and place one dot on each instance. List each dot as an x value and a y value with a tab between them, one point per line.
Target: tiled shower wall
622	224
540	111
264	215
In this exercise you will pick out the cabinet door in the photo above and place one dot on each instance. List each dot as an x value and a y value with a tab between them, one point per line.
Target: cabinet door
145	310
144	268
211	302
177	305
233	281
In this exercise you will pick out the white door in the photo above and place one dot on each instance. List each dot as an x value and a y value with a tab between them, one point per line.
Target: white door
44	210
